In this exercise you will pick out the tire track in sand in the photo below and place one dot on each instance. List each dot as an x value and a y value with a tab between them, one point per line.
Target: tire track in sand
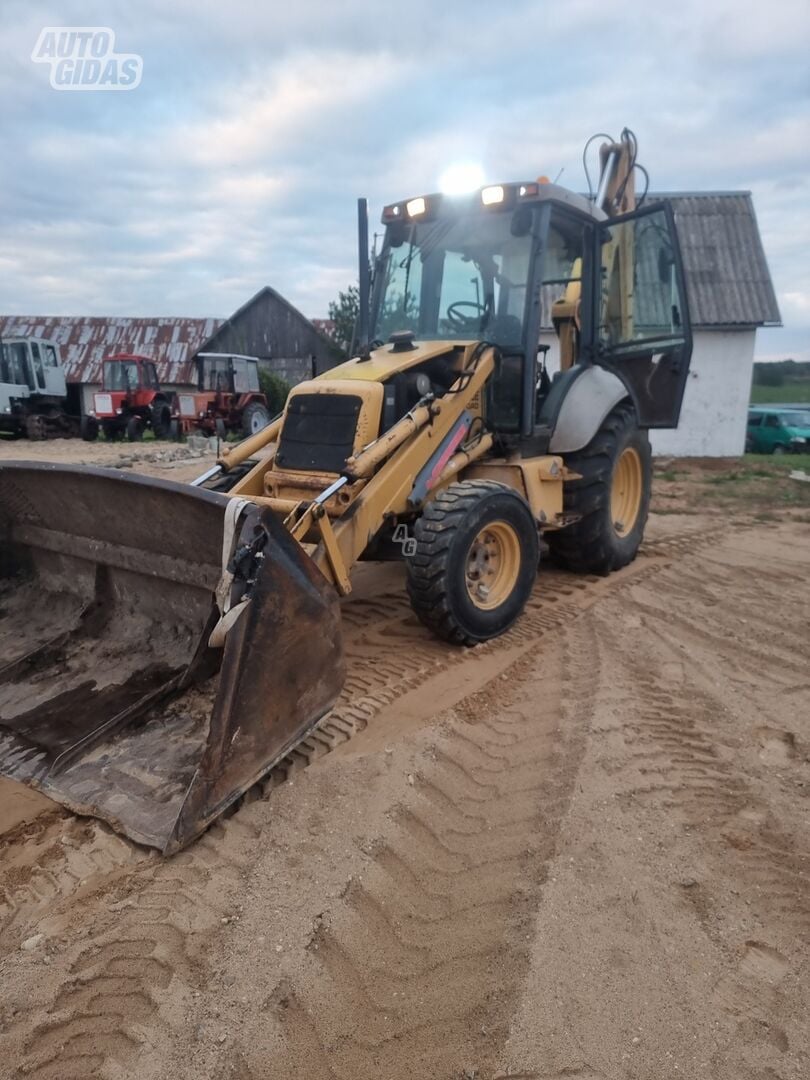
44	866
416	973
671	705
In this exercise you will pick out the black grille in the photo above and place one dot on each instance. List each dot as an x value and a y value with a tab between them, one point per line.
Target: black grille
318	432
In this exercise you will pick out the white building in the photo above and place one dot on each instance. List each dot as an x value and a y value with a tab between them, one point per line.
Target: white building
730	295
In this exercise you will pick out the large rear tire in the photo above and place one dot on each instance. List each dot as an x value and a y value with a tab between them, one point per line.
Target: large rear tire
254	418
475	562
611	498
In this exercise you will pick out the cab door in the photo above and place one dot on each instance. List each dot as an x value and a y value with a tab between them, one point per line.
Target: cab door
241	379
641	323
37	374
55	383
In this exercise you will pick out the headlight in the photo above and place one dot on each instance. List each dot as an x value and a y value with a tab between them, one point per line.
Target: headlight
799	440
118	412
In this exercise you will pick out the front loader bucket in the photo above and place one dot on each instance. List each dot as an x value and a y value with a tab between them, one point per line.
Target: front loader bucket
112	700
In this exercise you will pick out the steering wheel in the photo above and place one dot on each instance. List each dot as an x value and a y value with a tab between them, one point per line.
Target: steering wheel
462	322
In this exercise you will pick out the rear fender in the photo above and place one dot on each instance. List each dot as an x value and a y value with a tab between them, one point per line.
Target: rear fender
587	395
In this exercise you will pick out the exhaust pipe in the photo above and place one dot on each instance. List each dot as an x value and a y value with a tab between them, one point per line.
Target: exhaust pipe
364	281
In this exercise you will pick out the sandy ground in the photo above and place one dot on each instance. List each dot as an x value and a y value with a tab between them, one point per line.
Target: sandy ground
580	851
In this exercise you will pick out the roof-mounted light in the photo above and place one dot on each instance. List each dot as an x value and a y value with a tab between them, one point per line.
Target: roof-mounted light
415	207
527	191
491	196
392	213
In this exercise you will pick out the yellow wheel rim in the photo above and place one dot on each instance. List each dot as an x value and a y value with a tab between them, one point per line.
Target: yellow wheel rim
493	565
625	491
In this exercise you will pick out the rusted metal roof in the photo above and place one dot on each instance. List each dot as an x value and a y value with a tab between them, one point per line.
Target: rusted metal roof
85	341
727	276
324	326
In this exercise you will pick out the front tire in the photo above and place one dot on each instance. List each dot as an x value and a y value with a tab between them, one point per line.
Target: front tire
135	429
475	562
611	498
161	419
88	428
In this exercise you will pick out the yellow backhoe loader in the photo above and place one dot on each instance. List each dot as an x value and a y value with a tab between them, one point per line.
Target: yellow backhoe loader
162	646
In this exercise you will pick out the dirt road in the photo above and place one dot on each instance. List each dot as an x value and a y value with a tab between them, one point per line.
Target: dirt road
578	851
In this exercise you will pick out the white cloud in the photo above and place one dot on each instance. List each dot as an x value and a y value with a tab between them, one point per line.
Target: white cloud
237	161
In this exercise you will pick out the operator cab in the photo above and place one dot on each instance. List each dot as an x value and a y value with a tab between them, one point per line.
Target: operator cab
33	365
227	373
511	260
128	374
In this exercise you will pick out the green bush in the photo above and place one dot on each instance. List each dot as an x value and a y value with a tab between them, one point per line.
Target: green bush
275	389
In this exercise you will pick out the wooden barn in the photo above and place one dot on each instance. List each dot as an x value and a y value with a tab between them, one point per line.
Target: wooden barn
267	326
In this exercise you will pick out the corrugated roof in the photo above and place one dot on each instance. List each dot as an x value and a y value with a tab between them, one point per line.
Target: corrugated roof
727	274
85	341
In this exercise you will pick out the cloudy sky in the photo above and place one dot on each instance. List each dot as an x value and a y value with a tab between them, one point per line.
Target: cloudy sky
237	161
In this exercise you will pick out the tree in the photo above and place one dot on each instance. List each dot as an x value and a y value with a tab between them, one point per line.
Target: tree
344	313
275	389
768	375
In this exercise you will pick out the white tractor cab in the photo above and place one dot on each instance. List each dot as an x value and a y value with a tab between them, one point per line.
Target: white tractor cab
35	399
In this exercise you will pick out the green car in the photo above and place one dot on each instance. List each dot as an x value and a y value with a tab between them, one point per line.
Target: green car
778	430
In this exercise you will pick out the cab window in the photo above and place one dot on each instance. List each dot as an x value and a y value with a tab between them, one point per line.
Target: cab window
38	366
16	367
772	421
754	419
640	299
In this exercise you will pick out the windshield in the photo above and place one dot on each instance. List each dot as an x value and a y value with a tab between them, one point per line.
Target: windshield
460	277
12	364
121	375
796	418
215	374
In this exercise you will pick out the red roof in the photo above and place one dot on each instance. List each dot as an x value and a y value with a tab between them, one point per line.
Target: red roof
324	326
84	342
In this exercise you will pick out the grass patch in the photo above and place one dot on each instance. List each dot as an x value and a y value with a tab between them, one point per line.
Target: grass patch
779	462
755	484
789	393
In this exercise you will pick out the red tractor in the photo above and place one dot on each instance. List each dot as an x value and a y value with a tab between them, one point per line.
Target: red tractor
228	397
131	399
